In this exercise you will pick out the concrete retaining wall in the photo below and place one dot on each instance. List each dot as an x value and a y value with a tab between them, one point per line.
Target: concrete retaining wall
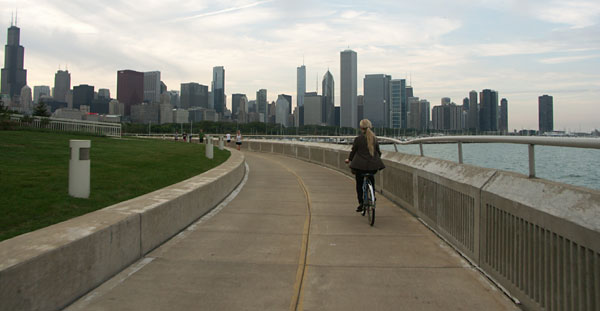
539	239
49	268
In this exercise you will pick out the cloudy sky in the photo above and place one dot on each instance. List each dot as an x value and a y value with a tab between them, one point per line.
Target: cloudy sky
522	49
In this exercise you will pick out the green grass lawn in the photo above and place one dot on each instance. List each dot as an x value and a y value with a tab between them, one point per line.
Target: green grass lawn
34	173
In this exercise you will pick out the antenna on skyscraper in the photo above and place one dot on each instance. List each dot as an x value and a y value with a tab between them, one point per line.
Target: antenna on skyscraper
317	82
12	19
17	18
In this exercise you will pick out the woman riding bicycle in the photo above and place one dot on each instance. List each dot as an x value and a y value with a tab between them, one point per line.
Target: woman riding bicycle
365	158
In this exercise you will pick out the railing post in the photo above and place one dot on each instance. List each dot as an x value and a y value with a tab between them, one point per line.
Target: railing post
531	161
460	155
396	147
421	148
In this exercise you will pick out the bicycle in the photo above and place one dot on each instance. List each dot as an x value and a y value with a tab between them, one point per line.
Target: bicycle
368	198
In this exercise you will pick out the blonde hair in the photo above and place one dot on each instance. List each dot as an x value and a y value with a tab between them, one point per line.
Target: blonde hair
365	126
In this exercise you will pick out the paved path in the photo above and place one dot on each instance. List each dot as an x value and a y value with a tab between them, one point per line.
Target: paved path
291	239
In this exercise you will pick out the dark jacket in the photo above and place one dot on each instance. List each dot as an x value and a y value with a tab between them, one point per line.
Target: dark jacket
360	157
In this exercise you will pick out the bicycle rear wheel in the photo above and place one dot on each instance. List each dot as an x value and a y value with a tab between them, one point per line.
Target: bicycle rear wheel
370	204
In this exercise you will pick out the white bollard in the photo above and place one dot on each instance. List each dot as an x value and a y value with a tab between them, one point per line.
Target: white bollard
221	143
209	147
79	168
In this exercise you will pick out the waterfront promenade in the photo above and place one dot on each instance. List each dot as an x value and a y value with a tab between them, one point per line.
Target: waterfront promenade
290	239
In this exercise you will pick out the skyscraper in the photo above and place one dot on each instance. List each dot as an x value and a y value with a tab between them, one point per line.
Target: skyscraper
398	99
62	85
328	99
218	89
152	86
503	117
175	100
447	116
14	77
409	91
300	85
83	95
193	95
313	109
236	101
289	99
130	88
348	89
425	114
261	103
26	100
546	113
414	113
282	110
104	93
360	111
488	112
473	113
39	91
466	103
377	99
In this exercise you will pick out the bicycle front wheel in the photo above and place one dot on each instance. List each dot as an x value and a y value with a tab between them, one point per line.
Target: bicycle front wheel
370	206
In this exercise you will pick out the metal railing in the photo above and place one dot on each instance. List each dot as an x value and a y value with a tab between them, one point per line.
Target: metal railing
591	143
70	125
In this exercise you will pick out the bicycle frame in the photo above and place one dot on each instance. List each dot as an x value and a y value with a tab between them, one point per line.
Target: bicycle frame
368	198
366	188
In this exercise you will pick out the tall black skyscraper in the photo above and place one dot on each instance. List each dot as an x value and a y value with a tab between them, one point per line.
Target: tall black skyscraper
218	89
488	113
328	108
546	113
83	95
473	113
503	117
14	77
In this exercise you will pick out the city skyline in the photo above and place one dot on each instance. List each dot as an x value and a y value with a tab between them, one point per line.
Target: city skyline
520	49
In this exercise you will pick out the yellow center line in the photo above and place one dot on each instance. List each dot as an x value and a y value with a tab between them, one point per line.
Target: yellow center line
298	297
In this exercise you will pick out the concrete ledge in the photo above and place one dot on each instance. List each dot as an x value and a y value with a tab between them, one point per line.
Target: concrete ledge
537	240
49	268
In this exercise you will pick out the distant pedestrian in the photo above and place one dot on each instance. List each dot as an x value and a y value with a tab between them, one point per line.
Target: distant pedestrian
238	139
201	136
176	135
228	136
184	137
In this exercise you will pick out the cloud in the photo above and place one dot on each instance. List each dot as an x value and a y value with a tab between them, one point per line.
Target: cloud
201	14
577	14
567	59
514	48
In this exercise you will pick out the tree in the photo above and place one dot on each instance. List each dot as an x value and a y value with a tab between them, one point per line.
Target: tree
41	110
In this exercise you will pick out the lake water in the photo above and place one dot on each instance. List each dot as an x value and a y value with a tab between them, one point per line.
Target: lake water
575	166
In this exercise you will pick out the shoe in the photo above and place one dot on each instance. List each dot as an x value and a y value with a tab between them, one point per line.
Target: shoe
359	208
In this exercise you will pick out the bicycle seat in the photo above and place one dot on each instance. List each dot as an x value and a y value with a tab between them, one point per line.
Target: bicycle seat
367	174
